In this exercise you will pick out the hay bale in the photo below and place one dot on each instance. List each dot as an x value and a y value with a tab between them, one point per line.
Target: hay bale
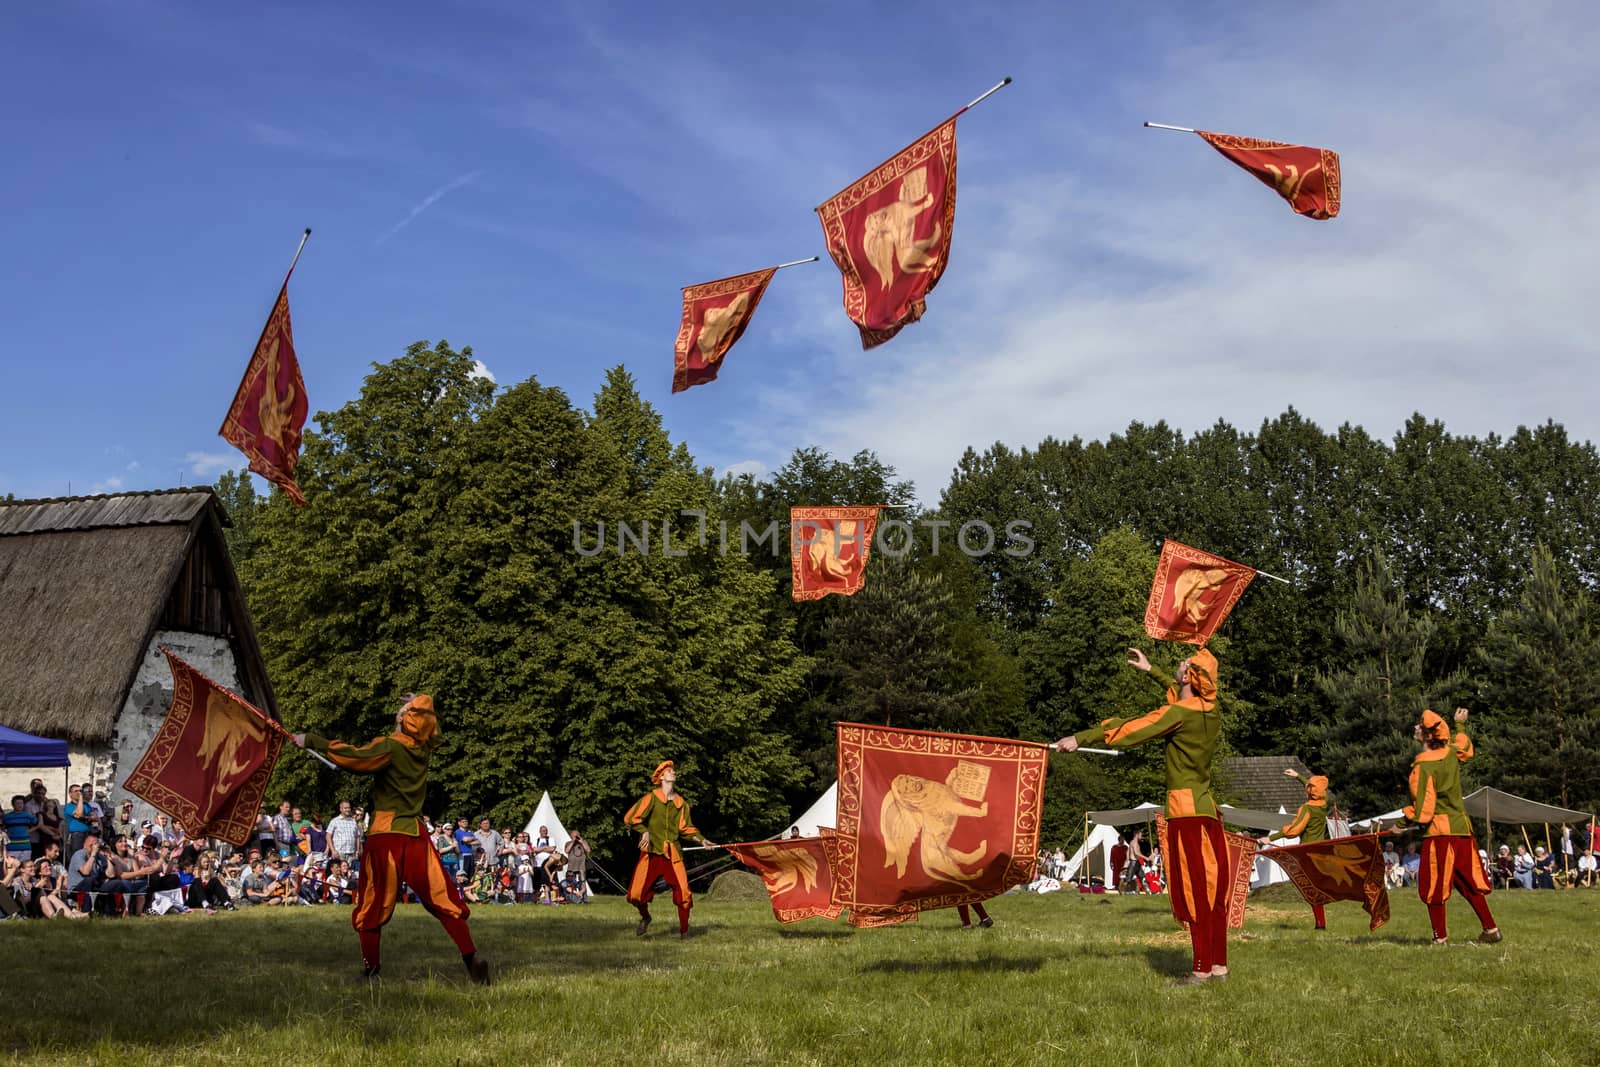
737	886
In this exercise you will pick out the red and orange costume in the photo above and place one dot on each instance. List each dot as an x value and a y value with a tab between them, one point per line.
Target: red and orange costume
397	850
1196	854
1309	824
666	819
1449	852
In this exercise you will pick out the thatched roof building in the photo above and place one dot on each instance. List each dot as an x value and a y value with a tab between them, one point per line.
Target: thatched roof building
88	587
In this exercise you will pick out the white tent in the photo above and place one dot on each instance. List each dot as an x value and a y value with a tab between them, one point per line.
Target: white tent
545	815
1266	872
825	812
1093	857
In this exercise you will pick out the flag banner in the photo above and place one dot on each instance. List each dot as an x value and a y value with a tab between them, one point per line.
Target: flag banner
715	315
797	874
1192	593
932	820
269	410
1308	178
1344	868
889	234
1238	870
208	764
828	550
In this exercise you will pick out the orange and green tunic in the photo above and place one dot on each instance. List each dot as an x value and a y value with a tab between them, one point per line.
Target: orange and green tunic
1191	728
401	766
1310	823
1436	801
667	820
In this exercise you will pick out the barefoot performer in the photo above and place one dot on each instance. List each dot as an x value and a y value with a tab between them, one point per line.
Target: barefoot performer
396	849
1309	824
1190	725
661	818
1449	851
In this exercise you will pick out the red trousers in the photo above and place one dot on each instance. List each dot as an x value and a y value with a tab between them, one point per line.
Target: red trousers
1197	884
387	860
966	917
642	888
1452	862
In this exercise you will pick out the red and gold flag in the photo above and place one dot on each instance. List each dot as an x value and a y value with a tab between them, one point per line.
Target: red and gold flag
889	234
932	820
1192	593
715	315
1308	178
797	873
269	410
208	764
828	549
1241	865
1341	868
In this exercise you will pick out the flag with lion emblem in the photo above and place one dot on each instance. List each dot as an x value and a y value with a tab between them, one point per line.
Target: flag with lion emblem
1192	593
208	764
715	315
1306	177
932	820
797	873
1340	868
828	550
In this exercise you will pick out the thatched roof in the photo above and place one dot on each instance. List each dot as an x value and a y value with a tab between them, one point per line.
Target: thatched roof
1259	781
84	584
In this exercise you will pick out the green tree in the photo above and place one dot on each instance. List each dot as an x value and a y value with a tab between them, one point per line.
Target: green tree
1540	666
240	500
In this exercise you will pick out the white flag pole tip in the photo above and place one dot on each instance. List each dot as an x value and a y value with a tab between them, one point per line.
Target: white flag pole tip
995	88
1275	578
796	262
1164	126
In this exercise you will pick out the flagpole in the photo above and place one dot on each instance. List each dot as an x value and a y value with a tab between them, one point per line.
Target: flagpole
303	239
780	266
986	95
1275	578
1164	126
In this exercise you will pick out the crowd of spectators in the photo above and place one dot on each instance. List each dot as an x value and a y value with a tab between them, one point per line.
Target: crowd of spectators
73	859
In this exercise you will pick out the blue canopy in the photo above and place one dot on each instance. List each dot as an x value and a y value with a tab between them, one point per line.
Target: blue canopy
18	749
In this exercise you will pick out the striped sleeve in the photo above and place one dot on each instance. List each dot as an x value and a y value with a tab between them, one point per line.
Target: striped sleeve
362	759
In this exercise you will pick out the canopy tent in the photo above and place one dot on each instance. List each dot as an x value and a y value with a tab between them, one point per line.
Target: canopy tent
1492	805
825	812
545	815
1101	837
1254	820
18	749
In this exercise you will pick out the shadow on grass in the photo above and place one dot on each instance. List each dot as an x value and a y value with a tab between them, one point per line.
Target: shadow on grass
1172	962
815	934
987	963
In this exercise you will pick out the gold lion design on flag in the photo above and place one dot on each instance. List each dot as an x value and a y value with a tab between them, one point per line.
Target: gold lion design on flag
823	553
1190	589
917	806
794	866
890	232
227	728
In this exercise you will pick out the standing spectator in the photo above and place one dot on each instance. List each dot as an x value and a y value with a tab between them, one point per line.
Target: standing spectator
1569	849
316	841
48	830
124	825
97	813
77	818
542	847
578	861
466	843
445	842
490	841
282	831
262	837
344	834
20	824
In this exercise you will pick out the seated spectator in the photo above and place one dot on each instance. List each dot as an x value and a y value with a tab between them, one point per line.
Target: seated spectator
16	887
1586	869
86	871
1503	869
548	879
1411	863
1522	869
127	877
1544	866
340	883
256	887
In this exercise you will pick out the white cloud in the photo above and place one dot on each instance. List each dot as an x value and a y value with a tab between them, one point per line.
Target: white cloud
110	485
480	369
133	466
205	464
753	467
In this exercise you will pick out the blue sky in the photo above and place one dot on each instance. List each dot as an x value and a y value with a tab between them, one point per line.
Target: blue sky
539	180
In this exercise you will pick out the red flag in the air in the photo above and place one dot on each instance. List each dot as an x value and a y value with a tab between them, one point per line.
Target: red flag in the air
828	549
1192	593
269	410
932	820
798	875
1341	868
714	317
889	234
1240	866
208	764
1307	177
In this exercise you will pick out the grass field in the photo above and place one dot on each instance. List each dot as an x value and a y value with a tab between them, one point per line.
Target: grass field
1060	979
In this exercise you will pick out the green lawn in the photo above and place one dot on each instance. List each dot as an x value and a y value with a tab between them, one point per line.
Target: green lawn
1060	979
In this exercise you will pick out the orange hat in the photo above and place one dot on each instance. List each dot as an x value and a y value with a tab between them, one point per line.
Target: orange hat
1433	727
1203	675
1317	787
661	769
417	720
